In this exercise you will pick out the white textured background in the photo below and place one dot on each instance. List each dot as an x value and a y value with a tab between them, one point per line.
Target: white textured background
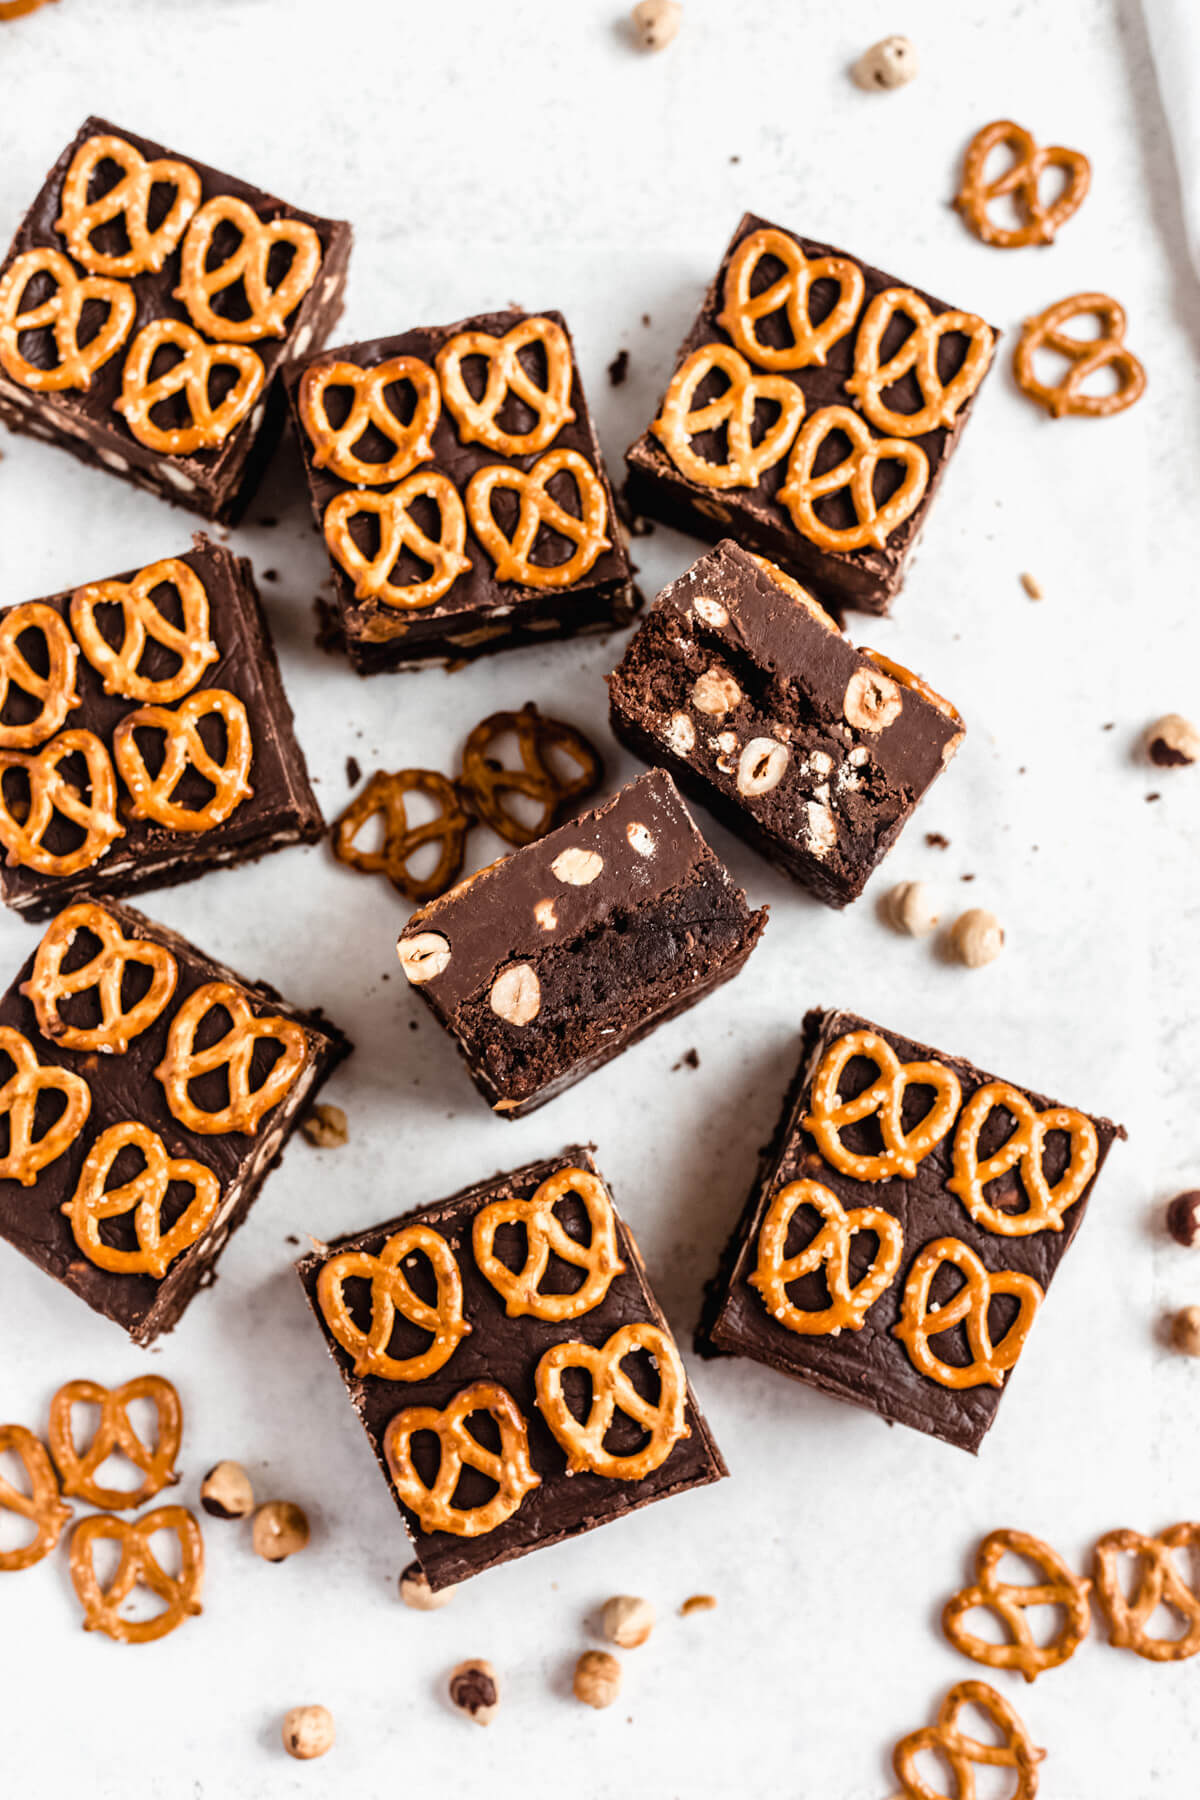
523	151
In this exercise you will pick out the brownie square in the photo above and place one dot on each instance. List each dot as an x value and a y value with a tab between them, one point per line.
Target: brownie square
739	682
891	1194
457	479
197	291
145	736
514	1288
549	963
130	1043
806	360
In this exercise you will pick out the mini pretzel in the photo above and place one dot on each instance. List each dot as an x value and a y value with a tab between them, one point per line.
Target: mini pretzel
41	1505
1009	1601
477	419
20	9
520	1289
792	292
745	461
392	1293
50	792
60	314
487	782
509	1467
664	1419
398	531
512	555
383	797
114	1433
333	445
1023	1150
141	619
830	1250
26	1156
129	201
1159	1583
143	1195
828	1114
942	401
150	796
270	307
48	986
962	1753
856	472
55	689
1086	356
190	375
920	1321
1022	180
138	1567
234	1051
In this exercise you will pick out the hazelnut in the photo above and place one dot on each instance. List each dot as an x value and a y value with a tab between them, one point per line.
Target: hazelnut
822	828
516	995
640	839
1033	587
627	1620
872	701
597	1678
475	1690
697	1603
1185	1330
576	867
424	956
976	937
711	611
1172	742
913	908
308	1731
545	915
416	1592
680	734
761	766
656	22
891	63
325	1127
226	1492
1183	1218
715	693
280	1529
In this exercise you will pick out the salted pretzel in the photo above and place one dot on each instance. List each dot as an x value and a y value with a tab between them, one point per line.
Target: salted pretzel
23	829
920	1321
398	531
333	446
828	1114
1159	1583
512	555
509	1467
233	1051
49	984
792	293
664	1420
383	797
856	473
143	1195
941	401
151	796
26	1155
138	1568
392	1293
60	314
115	1433
680	421
1022	1150
829	1250
1009	1601
119	667
129	201
521	1289
189	375
487	782
1021	181
964	1754
55	689
20	9
477	420
1085	355
269	307
41	1505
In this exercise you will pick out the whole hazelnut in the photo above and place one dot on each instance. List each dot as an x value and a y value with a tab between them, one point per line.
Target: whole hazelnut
976	937
280	1529
475	1690
597	1678
656	22
627	1620
1185	1330
1172	742
226	1492
891	63
416	1592
325	1127
308	1731
913	908
1183	1218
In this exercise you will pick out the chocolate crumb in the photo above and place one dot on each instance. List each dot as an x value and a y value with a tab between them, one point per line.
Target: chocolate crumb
645	318
618	368
1155	796
268	524
735	159
967	878
1111	726
937	840
689	1060
291	1239
270	574
413	1025
353	771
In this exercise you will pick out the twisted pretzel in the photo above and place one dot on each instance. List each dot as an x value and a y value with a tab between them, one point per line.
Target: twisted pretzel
856	472
509	1467
1023	1150
21	833
41	1505
520	1289
962	1753
398	531
333	445
115	1432
745	461
183	1063
1159	1583
26	1156
60	314
1061	1588
383	797
476	419
1085	355
664	1419
919	1321
105	971
511	555
828	1115
270	307
138	1567
129	201
942	401
144	1195
189	376
791	292
141	619
55	689
392	1293
1022	180
486	781
830	1249
20	9
150	796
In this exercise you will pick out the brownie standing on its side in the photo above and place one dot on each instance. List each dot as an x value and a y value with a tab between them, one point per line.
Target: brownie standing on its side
816	753
511	1366
903	1229
552	961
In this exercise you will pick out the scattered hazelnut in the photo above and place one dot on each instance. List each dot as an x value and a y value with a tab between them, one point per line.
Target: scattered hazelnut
1172	742
424	956
1183	1218
716	692
872	701
475	1690
627	1620
1033	587
325	1127
640	839
308	1731
597	1678
976	937
226	1492
697	1603
913	908
711	611
416	1592
761	766
516	995
656	22
576	867
280	1529
891	63
1185	1330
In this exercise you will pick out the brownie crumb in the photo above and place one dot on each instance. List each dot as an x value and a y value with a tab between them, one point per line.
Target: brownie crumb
967	878
291	1239
937	840
270	574
1111	726
353	771
1154	796
645	318
735	159
414	1025
618	368
268	524
689	1060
